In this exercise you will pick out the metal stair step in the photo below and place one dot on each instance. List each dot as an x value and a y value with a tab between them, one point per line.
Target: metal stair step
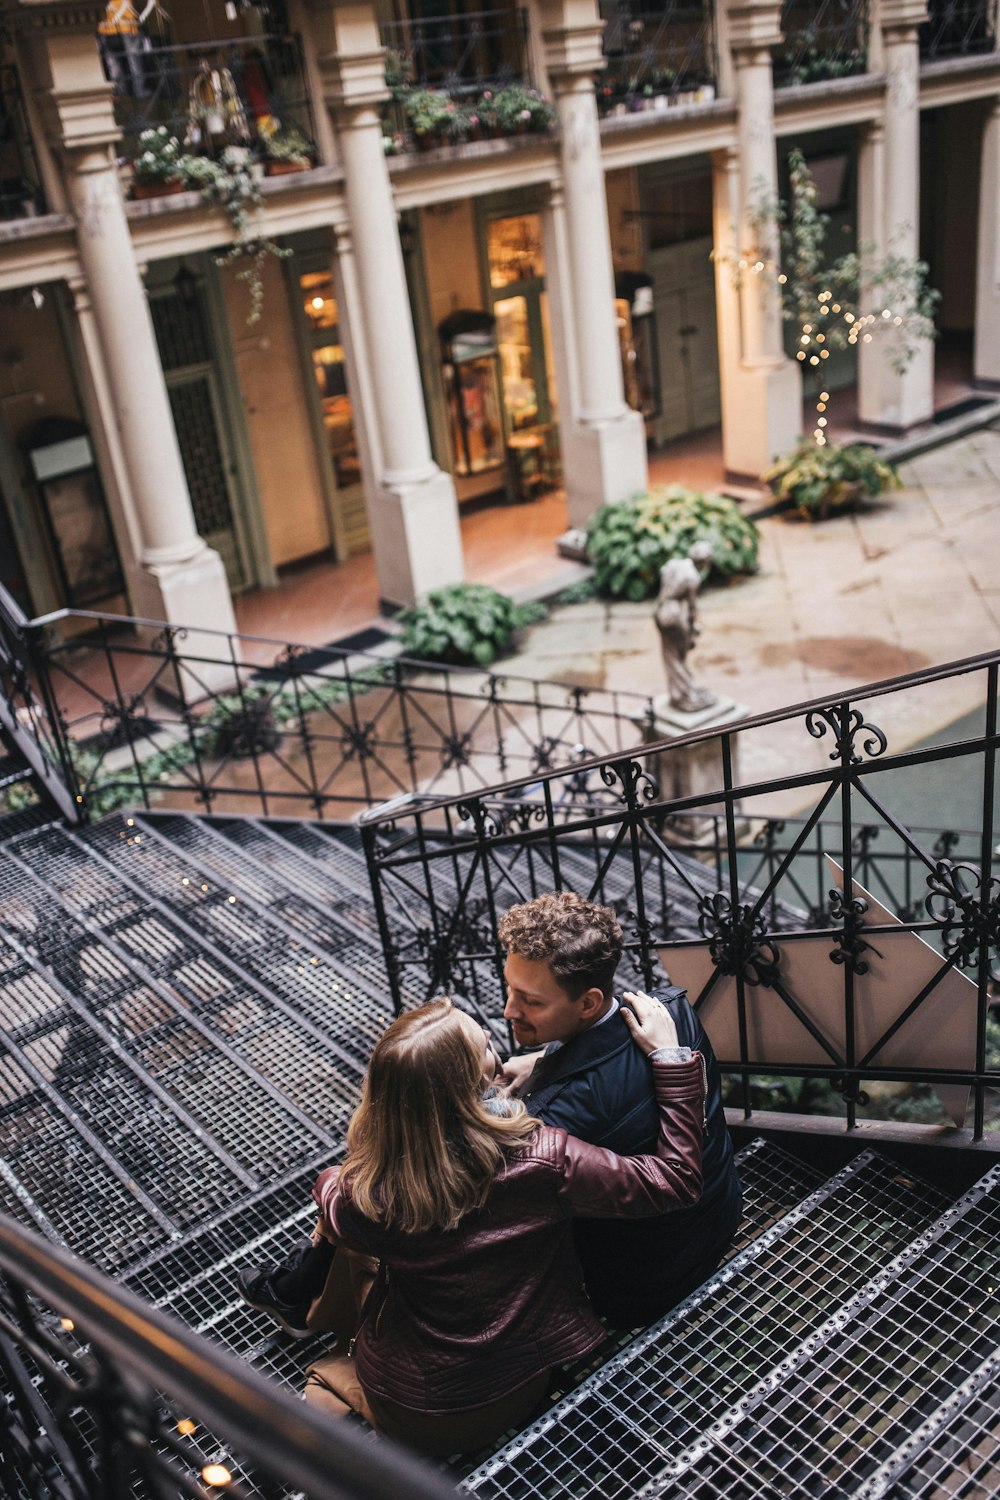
623	1426
269	872
867	1379
304	1068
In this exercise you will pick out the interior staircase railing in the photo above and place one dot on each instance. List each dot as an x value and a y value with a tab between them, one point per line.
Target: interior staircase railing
104	1397
779	944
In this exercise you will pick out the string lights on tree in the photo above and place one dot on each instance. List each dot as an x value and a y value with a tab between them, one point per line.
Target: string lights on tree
841	303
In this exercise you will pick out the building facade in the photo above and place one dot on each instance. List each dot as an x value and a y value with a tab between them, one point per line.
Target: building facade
464	293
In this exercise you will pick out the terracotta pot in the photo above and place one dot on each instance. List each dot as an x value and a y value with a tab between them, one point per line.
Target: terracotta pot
157	189
284	168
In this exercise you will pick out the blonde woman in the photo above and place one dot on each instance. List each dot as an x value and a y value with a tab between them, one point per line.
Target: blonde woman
466	1201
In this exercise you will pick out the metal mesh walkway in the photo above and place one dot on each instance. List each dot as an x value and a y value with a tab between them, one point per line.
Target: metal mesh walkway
186	1008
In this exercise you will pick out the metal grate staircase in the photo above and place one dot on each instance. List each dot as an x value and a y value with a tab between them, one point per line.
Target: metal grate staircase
186	1007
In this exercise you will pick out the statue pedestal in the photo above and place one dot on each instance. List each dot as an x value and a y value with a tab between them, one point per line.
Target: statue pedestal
693	770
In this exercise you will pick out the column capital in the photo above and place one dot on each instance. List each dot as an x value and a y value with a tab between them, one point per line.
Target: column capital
572	32
899	20
754	28
350	54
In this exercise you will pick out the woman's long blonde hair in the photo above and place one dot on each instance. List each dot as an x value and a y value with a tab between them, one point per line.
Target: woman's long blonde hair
422	1147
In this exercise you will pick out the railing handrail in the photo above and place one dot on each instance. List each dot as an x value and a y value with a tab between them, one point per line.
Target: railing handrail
339	653
295	1444
737	726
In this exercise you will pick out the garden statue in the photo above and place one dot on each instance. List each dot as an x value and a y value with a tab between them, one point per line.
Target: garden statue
677	621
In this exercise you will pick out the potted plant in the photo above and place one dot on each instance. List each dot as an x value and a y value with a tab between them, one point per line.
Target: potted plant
230	182
286	151
428	116
157	166
519	109
819	479
464	624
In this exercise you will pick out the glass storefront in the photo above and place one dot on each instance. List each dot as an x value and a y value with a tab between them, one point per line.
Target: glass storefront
331	375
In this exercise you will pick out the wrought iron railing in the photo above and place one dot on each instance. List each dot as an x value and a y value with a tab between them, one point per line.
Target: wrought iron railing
21	193
958	28
801	967
154	83
458	54
140	712
822	39
102	1398
656	54
28	715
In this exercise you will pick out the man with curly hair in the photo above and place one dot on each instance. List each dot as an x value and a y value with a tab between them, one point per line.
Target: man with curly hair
562	954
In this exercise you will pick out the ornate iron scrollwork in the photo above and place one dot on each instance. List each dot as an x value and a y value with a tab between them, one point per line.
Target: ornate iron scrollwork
456	750
358	740
874	744
447	953
766	837
125	720
636	784
738	941
847	1086
957	900
848	913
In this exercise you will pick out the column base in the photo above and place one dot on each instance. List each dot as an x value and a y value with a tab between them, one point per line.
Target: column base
603	463
889	399
693	770
416	538
764	418
194	596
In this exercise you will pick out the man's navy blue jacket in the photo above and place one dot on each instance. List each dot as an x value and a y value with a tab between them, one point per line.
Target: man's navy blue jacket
599	1086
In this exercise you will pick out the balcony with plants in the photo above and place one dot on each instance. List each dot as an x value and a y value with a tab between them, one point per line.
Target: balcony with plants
657	55
823	40
454	81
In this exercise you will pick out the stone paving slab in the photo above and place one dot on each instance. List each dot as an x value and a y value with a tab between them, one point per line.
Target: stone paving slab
910	581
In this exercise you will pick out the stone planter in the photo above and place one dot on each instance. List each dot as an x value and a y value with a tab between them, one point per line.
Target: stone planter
284	168
142	190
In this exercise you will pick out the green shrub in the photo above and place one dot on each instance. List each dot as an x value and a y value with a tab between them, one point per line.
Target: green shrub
629	542
819	480
466	624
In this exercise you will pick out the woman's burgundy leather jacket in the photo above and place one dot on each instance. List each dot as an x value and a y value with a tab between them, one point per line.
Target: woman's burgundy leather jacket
460	1318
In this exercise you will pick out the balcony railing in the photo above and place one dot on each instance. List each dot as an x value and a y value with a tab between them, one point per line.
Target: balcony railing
138	713
20	183
459	55
255	78
658	52
958	28
804	959
822	39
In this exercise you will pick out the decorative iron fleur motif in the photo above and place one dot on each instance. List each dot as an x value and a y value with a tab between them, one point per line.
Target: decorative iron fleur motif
818	720
737	940
945	842
848	913
543	760
456	750
957	899
358	740
864	838
486	821
518	816
124	720
447	952
634	780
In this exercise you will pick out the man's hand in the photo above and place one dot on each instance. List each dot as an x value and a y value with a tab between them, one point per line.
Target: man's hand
651	1024
516	1070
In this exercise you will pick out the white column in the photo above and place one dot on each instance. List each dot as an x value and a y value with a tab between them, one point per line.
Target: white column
413	509
609	438
725	230
174	575
890	184
765	419
986	356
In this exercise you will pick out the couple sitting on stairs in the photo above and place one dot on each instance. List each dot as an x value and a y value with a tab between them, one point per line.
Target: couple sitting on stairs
486	1213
